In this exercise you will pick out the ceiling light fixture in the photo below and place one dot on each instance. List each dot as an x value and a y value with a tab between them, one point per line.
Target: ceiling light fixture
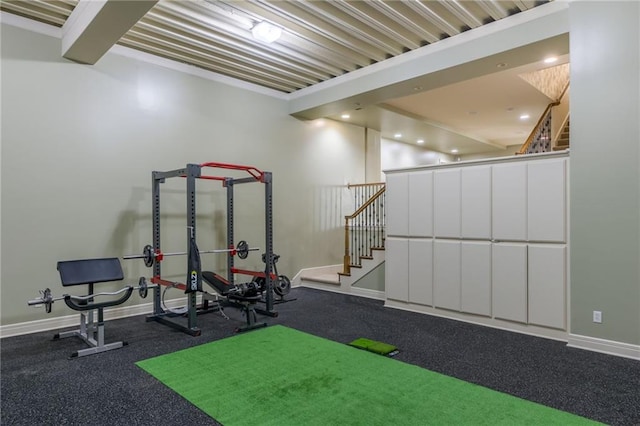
420	141
524	116
266	32
345	116
454	151
397	135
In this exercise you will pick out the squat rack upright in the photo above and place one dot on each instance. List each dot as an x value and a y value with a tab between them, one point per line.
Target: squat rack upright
192	172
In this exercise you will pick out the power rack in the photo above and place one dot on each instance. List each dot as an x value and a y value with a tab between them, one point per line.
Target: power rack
191	173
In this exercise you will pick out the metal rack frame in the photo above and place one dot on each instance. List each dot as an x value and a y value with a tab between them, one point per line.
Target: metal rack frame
192	172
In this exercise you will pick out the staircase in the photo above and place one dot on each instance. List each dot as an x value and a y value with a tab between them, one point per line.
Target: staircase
563	140
361	272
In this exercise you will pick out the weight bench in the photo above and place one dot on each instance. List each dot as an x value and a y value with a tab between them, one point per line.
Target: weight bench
89	272
244	296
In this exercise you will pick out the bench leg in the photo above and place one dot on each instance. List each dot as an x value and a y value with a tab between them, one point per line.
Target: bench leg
250	312
92	334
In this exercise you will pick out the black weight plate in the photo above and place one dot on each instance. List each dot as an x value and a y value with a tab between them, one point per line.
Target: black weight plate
242	249
149	255
283	286
142	287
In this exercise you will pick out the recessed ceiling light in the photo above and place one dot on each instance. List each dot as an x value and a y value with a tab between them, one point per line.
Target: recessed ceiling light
510	108
550	60
345	116
266	32
454	151
524	116
420	141
501	65
397	135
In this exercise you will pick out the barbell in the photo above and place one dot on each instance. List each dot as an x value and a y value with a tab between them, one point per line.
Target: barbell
152	255
47	299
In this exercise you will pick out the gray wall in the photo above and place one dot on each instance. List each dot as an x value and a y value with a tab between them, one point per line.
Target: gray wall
605	161
79	143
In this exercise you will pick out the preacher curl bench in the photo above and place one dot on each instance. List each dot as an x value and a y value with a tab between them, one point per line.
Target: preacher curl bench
89	272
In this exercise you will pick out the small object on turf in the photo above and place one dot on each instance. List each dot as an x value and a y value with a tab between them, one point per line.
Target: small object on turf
375	347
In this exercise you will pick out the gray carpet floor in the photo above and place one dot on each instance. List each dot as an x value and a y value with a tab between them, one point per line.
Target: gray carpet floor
41	386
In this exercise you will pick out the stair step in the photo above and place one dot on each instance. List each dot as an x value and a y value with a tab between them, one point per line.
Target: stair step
324	278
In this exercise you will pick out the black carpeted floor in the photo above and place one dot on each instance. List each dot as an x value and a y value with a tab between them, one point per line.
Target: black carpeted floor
40	386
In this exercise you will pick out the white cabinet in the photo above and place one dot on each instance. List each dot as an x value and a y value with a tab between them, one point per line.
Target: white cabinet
484	242
421	204
546	285
509	281
446	203
509	204
476	202
446	274
396	274
421	271
475	277
546	202
397	204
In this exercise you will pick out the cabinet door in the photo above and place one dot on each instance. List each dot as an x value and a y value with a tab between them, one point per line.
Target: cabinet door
446	204
476	202
546	182
396	274
547	285
397	204
446	275
509	201
475	277
421	204
509	281
421	271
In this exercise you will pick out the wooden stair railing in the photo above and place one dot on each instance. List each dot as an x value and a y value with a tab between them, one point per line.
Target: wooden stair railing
539	139
364	229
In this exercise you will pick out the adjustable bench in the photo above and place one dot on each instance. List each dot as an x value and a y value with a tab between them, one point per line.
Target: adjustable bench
244	296
89	272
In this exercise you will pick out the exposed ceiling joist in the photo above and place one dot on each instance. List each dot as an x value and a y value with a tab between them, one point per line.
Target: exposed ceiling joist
95	26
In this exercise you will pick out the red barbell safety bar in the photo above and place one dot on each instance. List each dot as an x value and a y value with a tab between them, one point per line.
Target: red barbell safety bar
255	173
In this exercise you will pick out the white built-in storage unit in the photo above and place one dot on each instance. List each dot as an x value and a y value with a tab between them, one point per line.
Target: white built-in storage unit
482	241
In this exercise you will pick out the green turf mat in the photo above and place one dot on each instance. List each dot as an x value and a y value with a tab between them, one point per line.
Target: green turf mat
280	376
374	346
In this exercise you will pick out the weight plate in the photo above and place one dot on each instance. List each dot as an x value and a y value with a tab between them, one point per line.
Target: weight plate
143	289
47	299
283	286
148	255
242	249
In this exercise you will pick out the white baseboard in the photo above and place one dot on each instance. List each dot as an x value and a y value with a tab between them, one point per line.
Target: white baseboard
354	291
72	320
609	347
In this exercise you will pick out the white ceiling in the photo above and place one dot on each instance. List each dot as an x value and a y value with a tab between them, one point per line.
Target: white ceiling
478	115
327	39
